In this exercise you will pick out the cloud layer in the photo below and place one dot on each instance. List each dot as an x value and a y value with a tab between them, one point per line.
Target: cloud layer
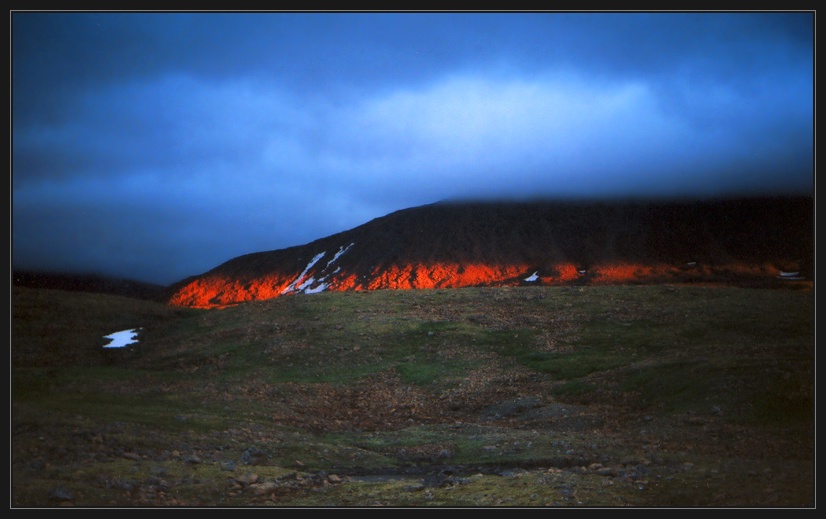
156	146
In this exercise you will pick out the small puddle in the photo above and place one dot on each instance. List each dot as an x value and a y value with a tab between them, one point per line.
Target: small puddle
122	338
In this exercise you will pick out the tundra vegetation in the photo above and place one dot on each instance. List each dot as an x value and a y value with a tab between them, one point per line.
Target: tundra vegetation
596	396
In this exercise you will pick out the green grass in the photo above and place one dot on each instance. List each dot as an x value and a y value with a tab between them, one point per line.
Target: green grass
296	379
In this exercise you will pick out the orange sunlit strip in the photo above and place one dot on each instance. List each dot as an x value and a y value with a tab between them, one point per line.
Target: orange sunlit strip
215	291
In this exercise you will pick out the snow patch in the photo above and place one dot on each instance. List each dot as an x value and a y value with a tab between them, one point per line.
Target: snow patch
320	288
292	286
341	250
306	283
122	338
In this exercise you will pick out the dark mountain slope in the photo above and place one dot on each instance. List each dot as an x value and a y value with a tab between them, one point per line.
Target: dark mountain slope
744	241
87	283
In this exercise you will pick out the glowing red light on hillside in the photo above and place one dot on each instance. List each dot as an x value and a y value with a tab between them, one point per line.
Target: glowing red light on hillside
214	290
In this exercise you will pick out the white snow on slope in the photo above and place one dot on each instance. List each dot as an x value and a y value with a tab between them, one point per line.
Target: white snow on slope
341	250
291	287
306	285
320	288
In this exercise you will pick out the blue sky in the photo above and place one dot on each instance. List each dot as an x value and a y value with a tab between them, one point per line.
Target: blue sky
155	146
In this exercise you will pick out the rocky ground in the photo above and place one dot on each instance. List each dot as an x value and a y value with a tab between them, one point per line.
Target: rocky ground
603	453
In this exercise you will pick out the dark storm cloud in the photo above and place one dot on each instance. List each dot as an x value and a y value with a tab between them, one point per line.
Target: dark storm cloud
155	146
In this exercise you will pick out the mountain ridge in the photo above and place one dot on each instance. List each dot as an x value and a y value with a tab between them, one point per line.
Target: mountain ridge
451	244
87	282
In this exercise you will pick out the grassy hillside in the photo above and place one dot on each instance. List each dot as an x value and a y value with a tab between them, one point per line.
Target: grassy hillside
530	396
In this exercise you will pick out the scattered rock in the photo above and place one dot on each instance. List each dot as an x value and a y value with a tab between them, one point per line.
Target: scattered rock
259	489
247	479
132	456
192	459
61	494
254	456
